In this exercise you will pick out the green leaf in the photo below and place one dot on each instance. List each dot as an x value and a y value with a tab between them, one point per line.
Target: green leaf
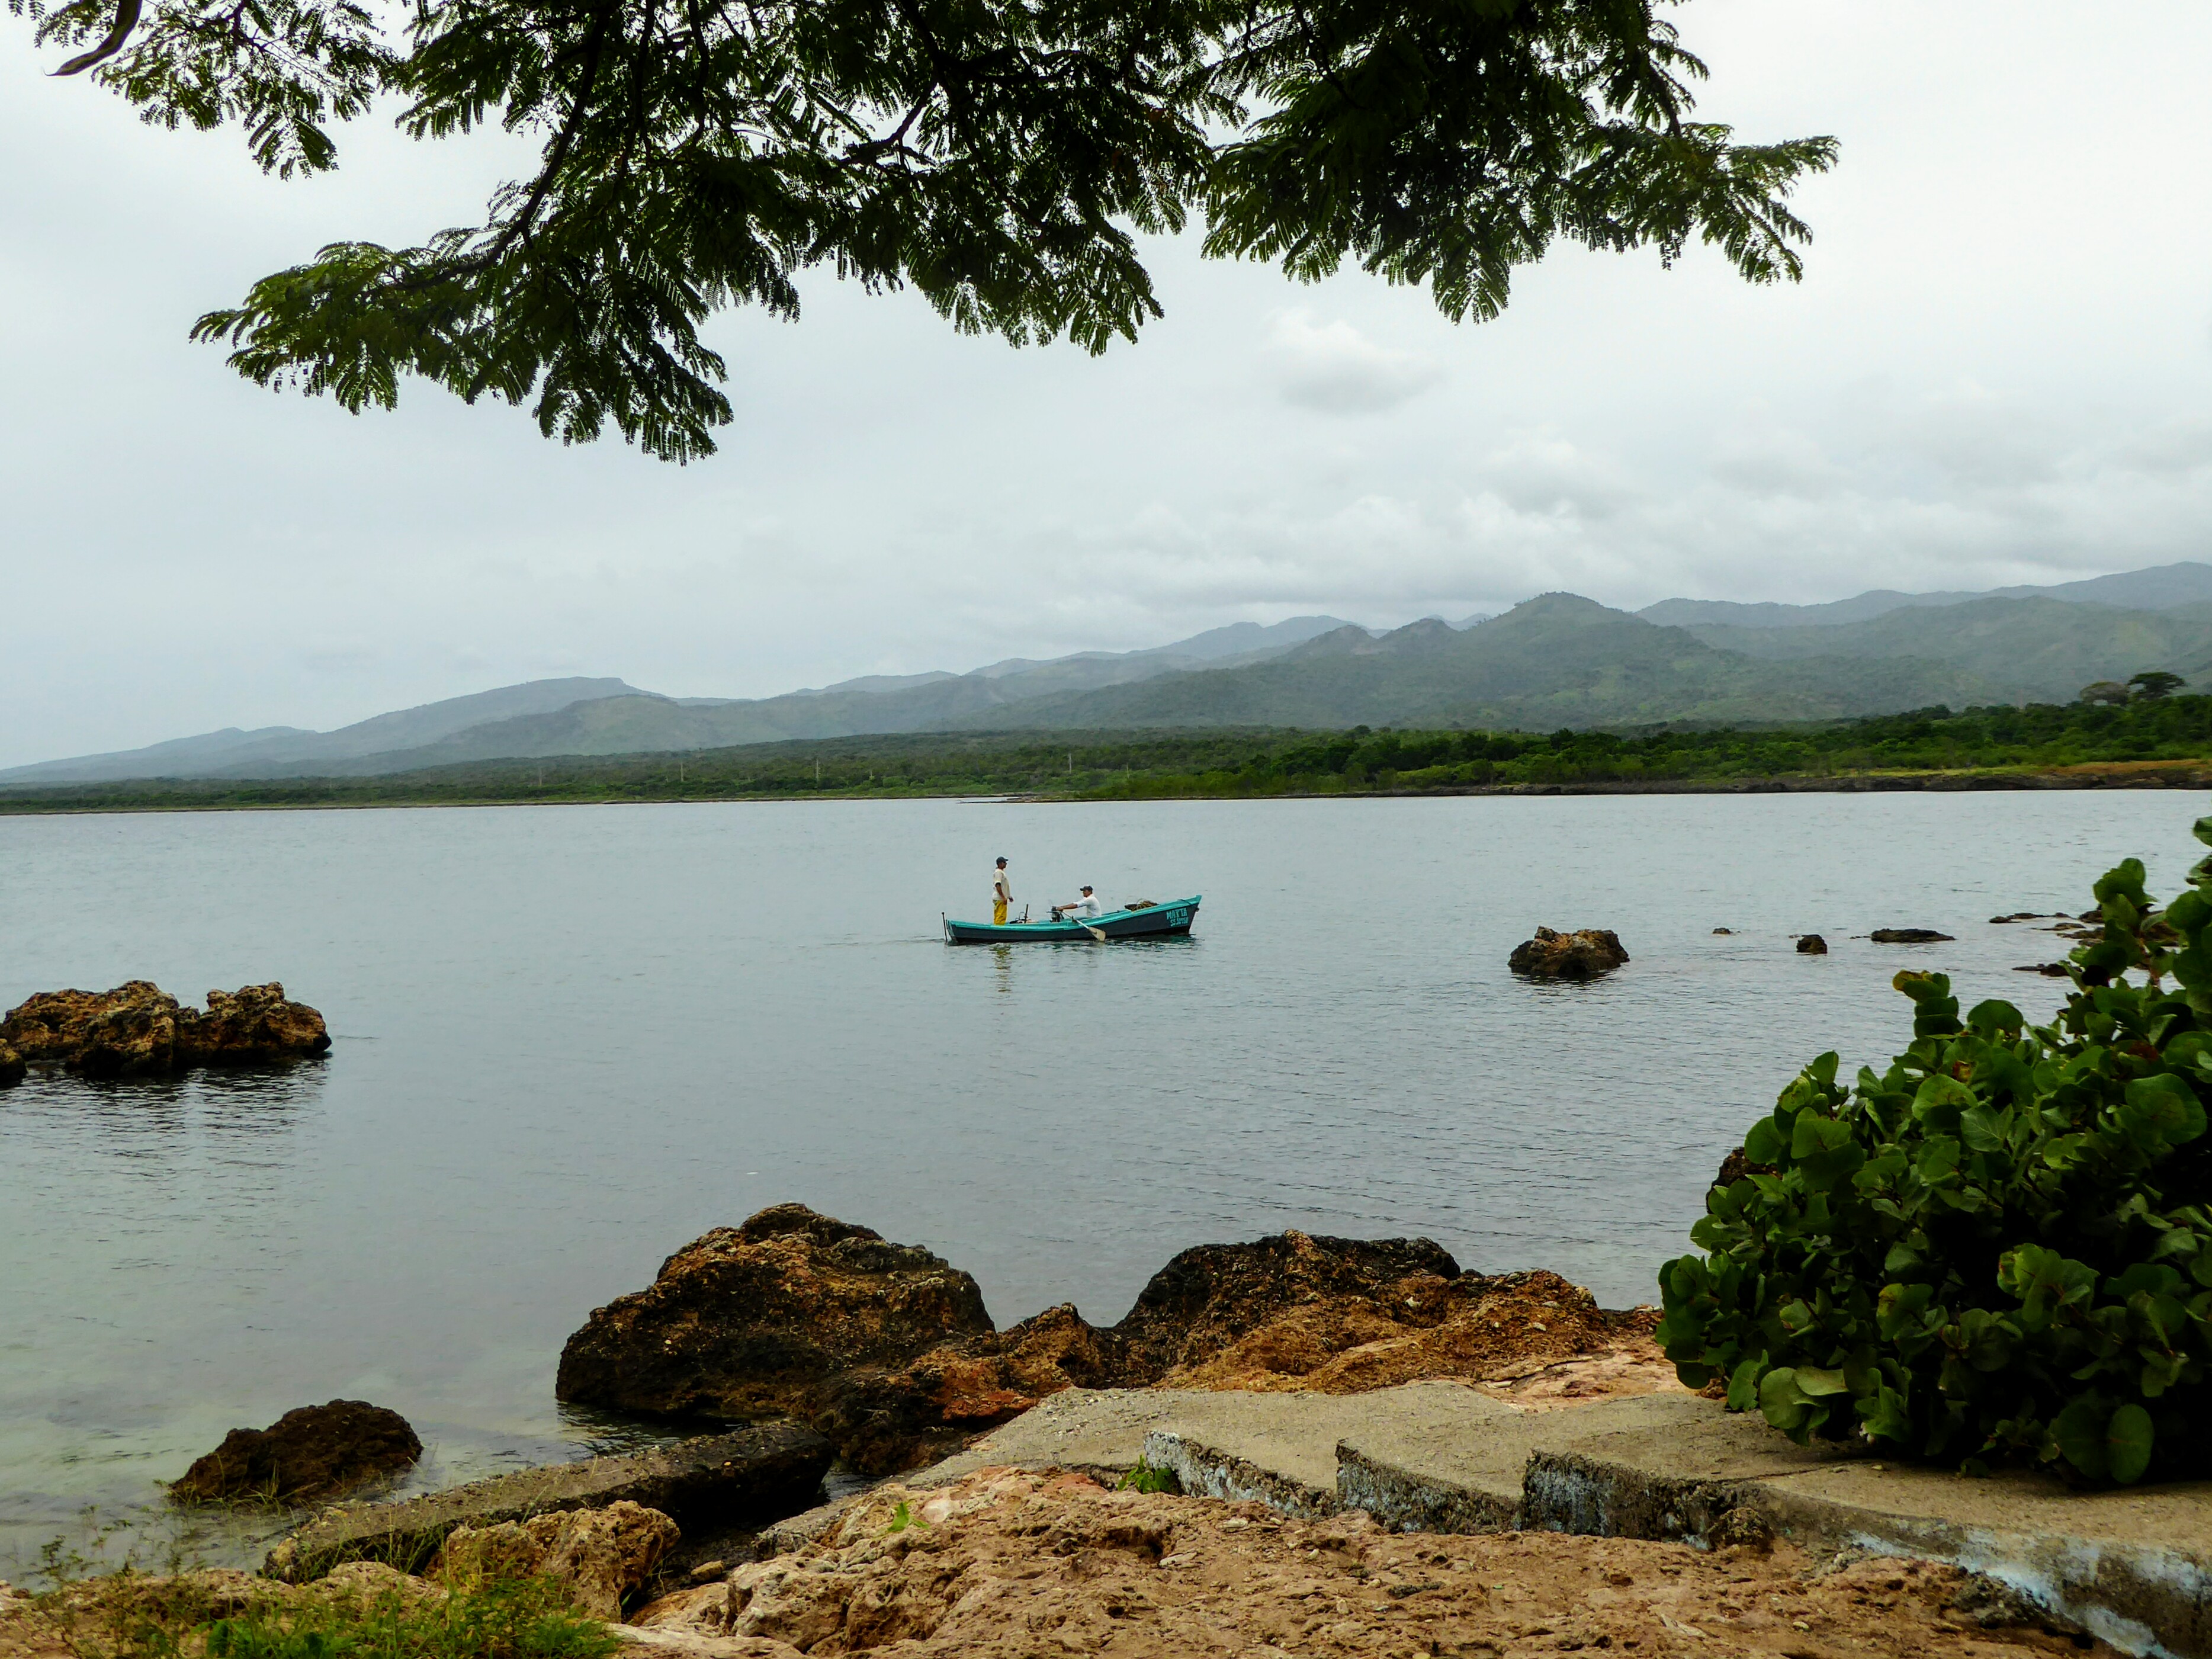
1815	1381
1985	1129
1782	1402
2161	1112
2127	1441
2079	1432
1762	1142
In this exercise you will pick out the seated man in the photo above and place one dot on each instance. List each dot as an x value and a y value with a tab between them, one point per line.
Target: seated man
1083	909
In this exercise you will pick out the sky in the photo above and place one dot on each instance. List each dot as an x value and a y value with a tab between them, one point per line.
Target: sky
1998	369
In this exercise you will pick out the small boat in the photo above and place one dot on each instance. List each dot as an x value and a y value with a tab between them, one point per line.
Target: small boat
1169	921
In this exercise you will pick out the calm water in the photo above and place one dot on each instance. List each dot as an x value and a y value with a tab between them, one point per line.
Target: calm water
568	1039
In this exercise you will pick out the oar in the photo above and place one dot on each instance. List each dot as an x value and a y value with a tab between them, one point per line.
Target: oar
1098	933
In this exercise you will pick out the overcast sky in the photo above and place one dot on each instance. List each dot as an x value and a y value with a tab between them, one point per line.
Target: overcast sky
1998	369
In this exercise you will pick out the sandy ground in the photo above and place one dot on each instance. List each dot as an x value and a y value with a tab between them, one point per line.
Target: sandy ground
1009	1564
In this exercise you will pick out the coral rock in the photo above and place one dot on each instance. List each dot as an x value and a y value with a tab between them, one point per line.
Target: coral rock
604	1556
748	1322
1908	936
139	1029
1812	944
1584	953
312	1452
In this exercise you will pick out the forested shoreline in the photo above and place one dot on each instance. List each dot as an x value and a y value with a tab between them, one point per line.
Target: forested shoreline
2151	742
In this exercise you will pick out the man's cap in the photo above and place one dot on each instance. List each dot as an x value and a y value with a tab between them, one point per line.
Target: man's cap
1086	886
1002	858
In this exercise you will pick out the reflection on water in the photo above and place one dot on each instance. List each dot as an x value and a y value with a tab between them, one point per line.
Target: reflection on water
567	1043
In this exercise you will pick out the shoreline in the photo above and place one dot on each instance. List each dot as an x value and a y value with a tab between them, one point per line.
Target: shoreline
2100	774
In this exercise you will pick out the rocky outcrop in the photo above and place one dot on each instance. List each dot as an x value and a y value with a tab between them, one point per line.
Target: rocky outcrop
1213	1296
139	1029
1584	953
1475	1326
794	1311
1909	936
885	1421
313	1453
604	1556
749	1322
12	1067
1812	944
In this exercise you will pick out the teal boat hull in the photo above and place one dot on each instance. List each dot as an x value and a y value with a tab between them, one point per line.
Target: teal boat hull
1169	921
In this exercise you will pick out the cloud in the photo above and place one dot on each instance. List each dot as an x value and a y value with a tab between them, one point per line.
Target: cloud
1334	368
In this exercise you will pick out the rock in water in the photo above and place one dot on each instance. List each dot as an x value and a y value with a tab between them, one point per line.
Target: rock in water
1584	953
313	1453
252	1025
1812	944
1908	936
604	1556
12	1067
139	1029
747	1322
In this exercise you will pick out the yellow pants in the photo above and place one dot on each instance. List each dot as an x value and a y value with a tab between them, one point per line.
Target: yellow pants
999	913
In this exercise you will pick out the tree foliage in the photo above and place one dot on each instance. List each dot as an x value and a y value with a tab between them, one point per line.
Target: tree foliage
1999	1247
1002	157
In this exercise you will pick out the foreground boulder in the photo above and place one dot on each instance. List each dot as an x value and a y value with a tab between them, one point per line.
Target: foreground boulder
313	1453
748	1322
604	1556
1584	953
138	1029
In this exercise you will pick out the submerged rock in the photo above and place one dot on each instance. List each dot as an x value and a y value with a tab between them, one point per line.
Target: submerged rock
746	1322
604	1556
1909	936
12	1067
1584	953
139	1029
307	1455
1812	944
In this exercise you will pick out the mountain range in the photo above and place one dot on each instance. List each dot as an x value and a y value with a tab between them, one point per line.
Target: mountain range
1555	660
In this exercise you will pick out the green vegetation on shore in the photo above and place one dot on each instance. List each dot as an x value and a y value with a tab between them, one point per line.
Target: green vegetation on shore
1992	742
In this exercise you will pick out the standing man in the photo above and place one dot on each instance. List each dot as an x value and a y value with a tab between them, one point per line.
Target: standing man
1002	894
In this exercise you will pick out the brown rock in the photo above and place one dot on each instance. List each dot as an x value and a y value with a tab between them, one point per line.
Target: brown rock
1477	1328
1209	1298
1908	936
1584	953
253	1025
885	1421
12	1067
312	1452
1735	1167
139	1029
1812	944
604	1556
748	1322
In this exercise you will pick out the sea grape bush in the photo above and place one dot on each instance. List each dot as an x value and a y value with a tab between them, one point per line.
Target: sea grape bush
2000	1248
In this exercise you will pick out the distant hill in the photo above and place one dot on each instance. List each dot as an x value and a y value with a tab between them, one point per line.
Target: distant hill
609	717
1556	661
285	750
2040	649
2159	589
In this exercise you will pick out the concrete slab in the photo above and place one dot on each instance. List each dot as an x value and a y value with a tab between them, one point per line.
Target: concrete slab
769	1469
2134	1568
